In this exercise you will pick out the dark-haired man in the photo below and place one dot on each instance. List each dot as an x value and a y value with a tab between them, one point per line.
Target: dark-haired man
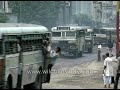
54	54
108	70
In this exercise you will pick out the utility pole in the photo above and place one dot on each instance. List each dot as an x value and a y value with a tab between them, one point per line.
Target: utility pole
117	44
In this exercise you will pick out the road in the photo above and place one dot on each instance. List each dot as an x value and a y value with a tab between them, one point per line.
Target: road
60	78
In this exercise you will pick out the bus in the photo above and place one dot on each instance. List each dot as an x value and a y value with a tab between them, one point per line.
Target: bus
89	40
71	39
110	32
100	37
21	55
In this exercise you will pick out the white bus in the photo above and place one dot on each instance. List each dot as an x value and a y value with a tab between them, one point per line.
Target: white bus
22	67
89	40
71	39
110	32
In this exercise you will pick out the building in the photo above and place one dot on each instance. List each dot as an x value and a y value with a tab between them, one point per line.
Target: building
101	12
108	15
97	12
90	8
4	8
83	7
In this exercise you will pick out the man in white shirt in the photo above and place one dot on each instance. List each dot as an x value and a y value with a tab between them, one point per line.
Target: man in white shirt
99	52
108	71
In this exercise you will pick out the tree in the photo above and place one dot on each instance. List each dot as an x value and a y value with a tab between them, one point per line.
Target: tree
3	18
37	12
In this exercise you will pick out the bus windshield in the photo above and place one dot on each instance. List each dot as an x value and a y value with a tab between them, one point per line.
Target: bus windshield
88	34
56	34
70	34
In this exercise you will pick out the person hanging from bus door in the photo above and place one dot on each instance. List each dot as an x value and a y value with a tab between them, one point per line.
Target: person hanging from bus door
14	47
53	55
18	44
99	52
46	53
20	62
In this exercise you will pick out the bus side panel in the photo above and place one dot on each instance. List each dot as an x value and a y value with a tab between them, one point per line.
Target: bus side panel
32	61
2	63
11	68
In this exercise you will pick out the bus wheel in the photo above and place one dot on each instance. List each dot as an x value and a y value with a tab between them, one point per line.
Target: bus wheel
9	83
38	82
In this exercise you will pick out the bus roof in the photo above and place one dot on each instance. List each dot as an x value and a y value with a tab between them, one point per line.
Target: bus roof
21	29
18	25
101	35
72	28
109	28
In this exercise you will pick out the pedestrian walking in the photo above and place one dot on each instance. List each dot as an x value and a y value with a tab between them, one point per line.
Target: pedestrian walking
108	71
99	52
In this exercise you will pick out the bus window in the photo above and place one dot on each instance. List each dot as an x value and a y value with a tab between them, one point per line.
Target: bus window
82	33
10	47
88	34
70	34
26	45
63	34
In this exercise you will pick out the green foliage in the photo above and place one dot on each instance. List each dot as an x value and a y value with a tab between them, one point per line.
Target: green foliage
3	18
38	12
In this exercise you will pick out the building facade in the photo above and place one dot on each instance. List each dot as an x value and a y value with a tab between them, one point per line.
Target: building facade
90	8
83	7
108	12
99	11
4	8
